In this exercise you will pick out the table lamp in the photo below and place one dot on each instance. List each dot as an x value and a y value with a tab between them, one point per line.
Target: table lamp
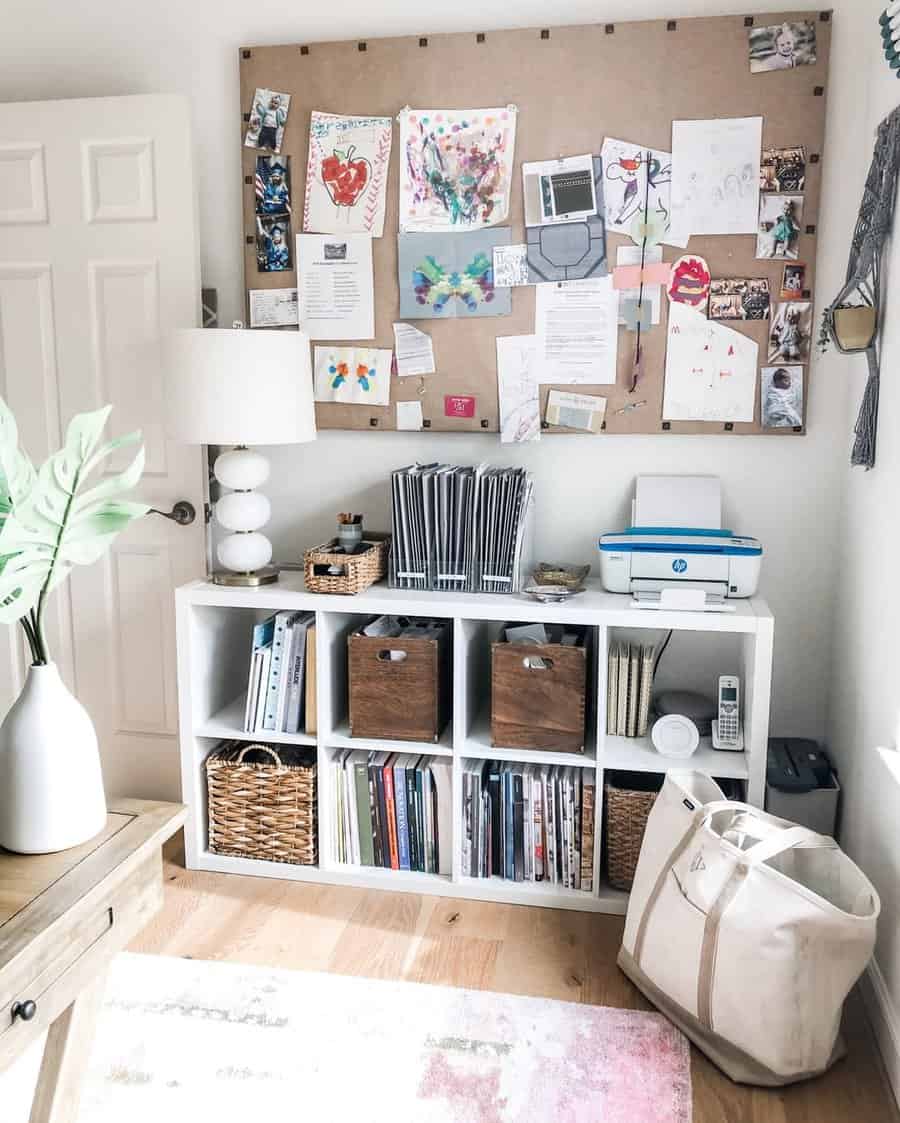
240	388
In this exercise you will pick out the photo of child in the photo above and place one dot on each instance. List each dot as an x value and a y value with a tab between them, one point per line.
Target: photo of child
268	115
273	244
793	281
273	185
779	226
781	390
790	332
782	46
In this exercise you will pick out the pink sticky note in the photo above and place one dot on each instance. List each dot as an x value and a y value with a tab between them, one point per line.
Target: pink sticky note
629	276
459	405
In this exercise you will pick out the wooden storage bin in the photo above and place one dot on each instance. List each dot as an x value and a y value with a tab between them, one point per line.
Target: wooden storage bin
627	805
400	688
263	807
538	696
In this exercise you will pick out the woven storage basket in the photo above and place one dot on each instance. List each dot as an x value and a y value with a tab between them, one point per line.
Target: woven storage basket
263	808
359	570
627	807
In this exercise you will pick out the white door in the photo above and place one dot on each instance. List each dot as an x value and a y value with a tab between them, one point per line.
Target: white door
99	259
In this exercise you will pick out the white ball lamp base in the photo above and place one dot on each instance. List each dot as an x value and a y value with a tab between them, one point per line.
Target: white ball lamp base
245	553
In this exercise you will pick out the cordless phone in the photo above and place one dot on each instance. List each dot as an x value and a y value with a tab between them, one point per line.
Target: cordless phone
727	732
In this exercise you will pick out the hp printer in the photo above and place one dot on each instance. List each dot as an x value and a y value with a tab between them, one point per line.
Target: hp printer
675	562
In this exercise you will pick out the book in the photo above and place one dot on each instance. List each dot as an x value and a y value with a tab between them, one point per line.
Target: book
294	708
491	777
376	797
587	831
612	688
622	699
518	825
648	657
527	824
252	691
550	820
311	681
387	772
509	850
424	827
540	840
634	668
258	676
363	807
401	809
276	667
265	661
440	769
412	812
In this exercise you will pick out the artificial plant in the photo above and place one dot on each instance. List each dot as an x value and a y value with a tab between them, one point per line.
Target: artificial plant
57	517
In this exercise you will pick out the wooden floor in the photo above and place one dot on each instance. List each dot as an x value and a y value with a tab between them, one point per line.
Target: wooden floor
534	951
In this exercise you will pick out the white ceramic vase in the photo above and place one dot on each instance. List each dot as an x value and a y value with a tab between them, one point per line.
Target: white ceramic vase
51	786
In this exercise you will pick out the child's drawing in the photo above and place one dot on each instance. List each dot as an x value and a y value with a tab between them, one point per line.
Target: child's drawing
346	174
715	176
447	275
354	375
455	167
635	180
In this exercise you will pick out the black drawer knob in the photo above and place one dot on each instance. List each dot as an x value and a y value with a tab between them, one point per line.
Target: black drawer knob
24	1010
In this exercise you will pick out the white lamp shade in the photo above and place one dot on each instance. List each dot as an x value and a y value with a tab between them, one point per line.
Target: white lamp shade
239	387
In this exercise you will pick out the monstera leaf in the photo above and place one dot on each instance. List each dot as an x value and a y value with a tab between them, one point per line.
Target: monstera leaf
57	519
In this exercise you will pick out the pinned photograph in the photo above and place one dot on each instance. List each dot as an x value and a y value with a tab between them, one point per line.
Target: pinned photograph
783	169
739	298
793	281
782	46
273	244
779	226
790	332
273	185
781	390
268	115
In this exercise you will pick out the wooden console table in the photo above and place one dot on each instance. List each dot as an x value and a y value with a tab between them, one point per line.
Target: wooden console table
62	919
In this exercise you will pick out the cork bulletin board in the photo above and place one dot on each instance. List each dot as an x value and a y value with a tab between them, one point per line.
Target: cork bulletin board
572	86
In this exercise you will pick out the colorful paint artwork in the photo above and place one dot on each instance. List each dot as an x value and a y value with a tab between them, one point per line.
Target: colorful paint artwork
689	282
451	275
346	174
456	168
353	375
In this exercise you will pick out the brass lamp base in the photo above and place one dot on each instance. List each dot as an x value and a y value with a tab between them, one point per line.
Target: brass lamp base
246	580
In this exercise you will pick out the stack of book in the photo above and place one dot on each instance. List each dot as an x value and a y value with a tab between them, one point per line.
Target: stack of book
392	810
281	689
530	822
628	685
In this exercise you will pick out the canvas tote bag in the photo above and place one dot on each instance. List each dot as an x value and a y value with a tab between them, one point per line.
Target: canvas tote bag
746	931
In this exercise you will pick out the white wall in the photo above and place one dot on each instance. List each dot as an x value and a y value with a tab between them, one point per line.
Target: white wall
864	711
784	491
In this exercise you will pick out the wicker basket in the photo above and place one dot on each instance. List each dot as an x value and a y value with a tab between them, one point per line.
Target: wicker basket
628	804
263	808
359	571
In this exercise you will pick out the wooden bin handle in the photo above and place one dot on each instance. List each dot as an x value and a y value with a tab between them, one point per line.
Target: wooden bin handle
389	655
538	663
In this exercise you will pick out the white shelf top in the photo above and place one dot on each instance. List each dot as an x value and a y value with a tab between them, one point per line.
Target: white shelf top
228	724
340	739
637	754
593	606
478	746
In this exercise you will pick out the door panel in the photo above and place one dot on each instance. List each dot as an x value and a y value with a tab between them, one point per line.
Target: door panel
98	260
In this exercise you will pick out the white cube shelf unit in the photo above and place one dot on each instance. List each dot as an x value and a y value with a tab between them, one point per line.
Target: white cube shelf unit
214	639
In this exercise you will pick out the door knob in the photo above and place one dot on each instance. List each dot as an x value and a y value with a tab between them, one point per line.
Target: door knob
24	1010
182	513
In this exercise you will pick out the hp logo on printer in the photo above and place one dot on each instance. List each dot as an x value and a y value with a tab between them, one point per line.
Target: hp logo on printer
679	565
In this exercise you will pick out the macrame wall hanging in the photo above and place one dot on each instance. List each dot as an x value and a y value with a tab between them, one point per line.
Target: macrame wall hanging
851	320
890	35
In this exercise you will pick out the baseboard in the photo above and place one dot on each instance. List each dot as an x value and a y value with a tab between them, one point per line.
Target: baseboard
885	1022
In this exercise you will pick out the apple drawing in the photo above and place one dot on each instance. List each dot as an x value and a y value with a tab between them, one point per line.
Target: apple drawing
345	177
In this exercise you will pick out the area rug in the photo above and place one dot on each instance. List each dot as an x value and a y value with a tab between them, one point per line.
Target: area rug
185	1040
